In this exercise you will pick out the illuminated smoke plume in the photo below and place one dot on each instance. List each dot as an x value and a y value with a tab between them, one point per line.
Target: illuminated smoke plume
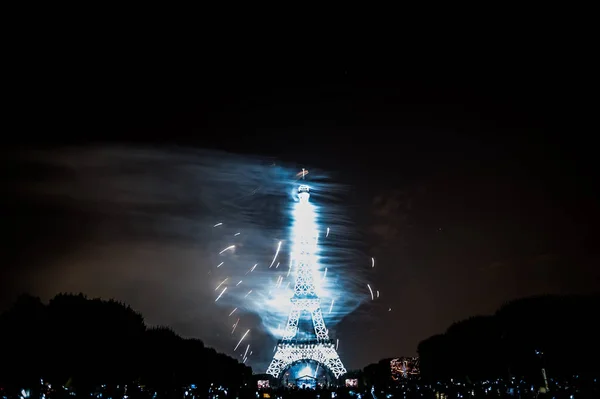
187	237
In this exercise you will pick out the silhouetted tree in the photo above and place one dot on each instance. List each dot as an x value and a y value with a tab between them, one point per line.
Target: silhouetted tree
85	343
563	328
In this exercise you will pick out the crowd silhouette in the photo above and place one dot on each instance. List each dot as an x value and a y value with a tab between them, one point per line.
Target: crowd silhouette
79	344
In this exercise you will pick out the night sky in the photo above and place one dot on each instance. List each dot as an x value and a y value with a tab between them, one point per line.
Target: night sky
470	185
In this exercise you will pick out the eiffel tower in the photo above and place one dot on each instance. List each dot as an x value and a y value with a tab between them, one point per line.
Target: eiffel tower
291	348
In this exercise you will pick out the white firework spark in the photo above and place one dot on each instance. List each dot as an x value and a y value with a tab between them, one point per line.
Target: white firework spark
241	339
227	249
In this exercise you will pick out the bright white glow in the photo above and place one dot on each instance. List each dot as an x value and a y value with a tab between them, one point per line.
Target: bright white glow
371	291
305	371
218	224
220	264
327	235
372	262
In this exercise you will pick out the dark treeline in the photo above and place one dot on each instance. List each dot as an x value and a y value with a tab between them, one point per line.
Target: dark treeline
558	333
82	343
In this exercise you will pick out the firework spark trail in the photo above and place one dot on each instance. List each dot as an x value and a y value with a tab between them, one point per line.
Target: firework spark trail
238	344
337	343
377	293
232	312
226	249
218	224
235	325
246	352
370	290
222	282
249	292
276	266
327	235
221	294
241	283
289	267
331	306
324	274
252	269
372	262
220	264
276	253
236	234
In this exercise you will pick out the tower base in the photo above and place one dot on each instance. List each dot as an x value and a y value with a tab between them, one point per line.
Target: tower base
290	352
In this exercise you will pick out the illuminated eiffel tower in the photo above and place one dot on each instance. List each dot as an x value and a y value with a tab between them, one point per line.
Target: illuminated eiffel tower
292	349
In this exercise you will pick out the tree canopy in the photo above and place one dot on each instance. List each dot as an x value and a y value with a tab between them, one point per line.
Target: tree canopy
85	342
558	333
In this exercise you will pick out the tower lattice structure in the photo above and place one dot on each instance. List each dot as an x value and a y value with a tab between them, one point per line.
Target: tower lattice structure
291	348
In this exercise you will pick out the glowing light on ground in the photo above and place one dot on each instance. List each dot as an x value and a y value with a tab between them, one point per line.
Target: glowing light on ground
305	371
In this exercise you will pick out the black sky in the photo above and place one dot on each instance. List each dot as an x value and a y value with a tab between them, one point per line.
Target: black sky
472	180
